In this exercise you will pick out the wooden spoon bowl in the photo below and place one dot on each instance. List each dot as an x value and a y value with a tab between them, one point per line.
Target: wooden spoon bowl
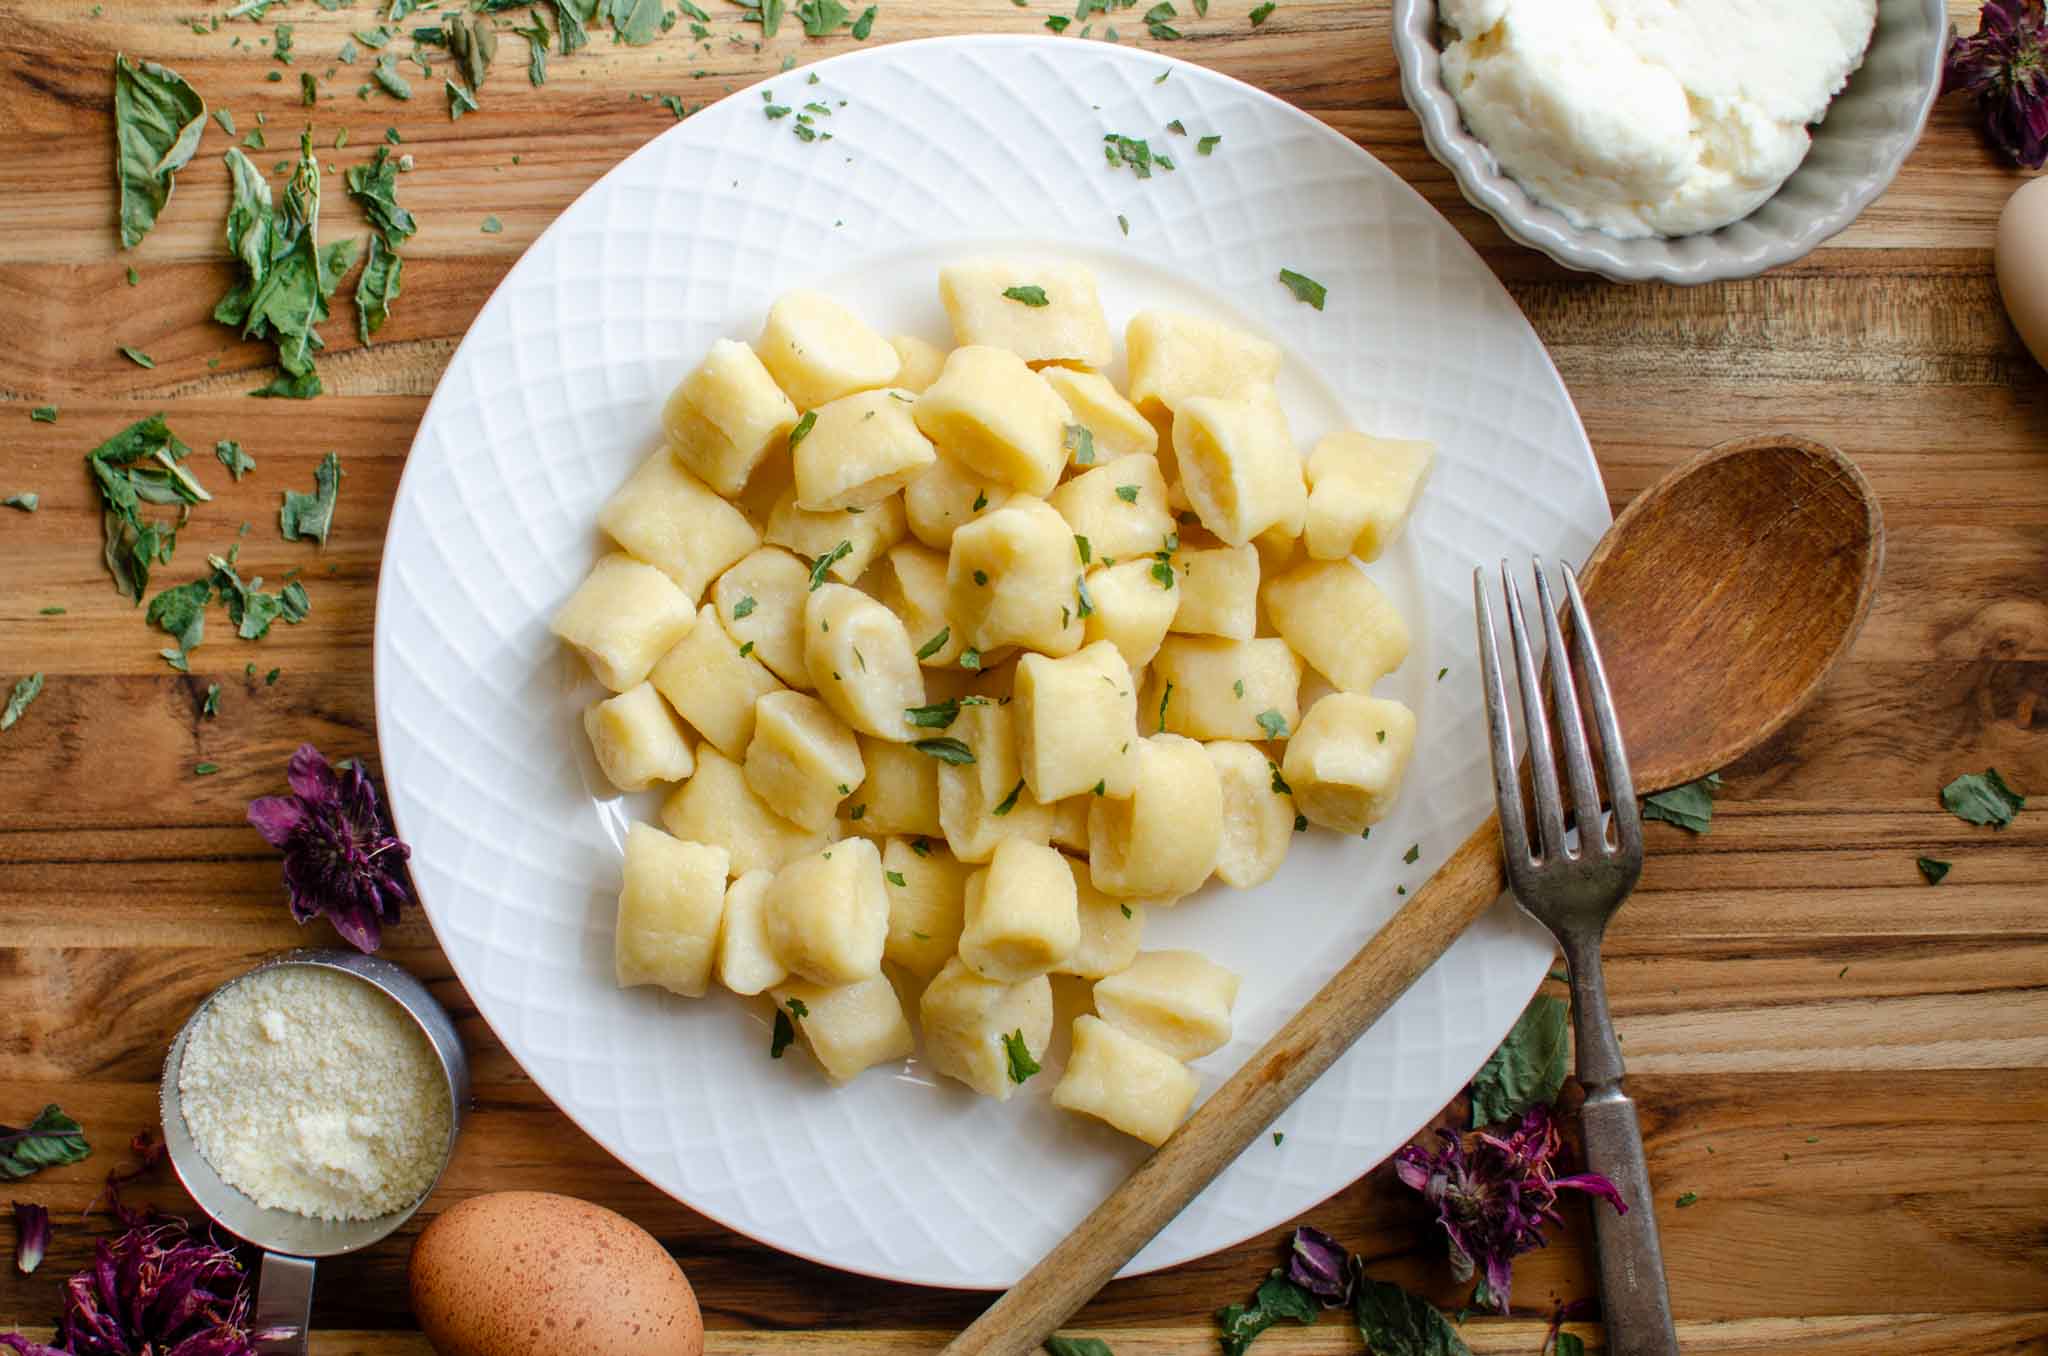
1722	598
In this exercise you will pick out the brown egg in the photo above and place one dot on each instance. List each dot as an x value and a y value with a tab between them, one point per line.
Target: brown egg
2023	264
525	1273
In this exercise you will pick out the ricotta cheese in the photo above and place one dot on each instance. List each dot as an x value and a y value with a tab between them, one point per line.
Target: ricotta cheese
312	1091
1651	117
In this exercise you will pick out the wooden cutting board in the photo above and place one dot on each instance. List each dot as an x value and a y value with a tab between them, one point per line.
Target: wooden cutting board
1843	1064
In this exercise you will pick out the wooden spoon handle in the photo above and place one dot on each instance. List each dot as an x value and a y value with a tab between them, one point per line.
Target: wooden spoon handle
1239	1111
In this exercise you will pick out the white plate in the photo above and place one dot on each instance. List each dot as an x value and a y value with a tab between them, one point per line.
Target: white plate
941	148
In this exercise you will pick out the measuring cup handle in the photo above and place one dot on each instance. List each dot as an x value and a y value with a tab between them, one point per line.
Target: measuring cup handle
284	1305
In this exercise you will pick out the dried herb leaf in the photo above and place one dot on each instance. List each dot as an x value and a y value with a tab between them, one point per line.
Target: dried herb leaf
946	749
1396	1323
1529	1067
1022	1065
1305	288
158	119
1690	807
140	464
1277	1298
1933	869
1982	798
287	279
304	517
1032	295
25	691
231	455
51	1140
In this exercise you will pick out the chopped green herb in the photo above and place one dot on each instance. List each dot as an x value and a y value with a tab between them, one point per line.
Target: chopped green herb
461	101
970	658
51	611
1031	295
822	566
938	715
1529	1066
25	691
270	678
1084	605
1177	127
1164	698
309	517
1263	13
1081	548
133	276
492	225
1690	807
820	17
137	356
286	277
746	649
28	501
1079	444
210	708
674	104
1123	223
44	414
1057	22
895	878
803	428
158	118
980	501
784	1033
744	607
936	643
385	73
865	24
1009	802
205	769
1414	851
1686	1199
141	465
1440	674
1278	1298
1022	1065
1122	151
1273	723
1305	288
1301	823
1127	493
946	749
1982	798
1207	145
1155	20
921	847
225	119
1934	870
1279	1137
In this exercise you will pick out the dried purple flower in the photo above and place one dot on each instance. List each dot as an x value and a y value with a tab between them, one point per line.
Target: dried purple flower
1315	1262
153	1291
341	857
31	1235
2005	65
1495	1202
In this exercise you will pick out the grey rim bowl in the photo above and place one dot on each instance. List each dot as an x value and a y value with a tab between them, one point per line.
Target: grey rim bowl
281	1231
1869	130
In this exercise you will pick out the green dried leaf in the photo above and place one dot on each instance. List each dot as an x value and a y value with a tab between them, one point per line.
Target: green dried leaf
1022	1065
1277	1298
1305	288
25	691
374	187
820	17
1690	807
1032	295
946	749
1529	1067
376	288
287	279
635	22
1263	13
308	517
1982	798
1396	1323
158	120
27	502
865	24
1933	869
50	1140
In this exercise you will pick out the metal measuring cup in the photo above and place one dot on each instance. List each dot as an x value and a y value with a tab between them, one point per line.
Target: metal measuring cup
292	1242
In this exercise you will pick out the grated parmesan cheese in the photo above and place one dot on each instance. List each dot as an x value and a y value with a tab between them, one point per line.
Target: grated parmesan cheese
312	1091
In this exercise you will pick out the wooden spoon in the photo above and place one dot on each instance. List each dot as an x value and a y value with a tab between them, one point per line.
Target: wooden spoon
1722	597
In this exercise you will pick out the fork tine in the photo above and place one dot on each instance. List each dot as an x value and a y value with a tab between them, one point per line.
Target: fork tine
1542	764
1514	831
1621	785
1571	729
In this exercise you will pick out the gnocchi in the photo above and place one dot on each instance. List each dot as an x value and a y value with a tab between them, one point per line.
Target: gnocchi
954	664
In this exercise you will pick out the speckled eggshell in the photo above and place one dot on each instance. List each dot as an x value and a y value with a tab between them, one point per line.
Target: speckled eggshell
2023	264
525	1273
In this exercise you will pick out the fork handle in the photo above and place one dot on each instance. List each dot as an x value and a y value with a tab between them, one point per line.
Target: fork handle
1634	1297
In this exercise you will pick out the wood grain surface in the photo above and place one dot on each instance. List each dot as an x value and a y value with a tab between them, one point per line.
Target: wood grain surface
1845	1065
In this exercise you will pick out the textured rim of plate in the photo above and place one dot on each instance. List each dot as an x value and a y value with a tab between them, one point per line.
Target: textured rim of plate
740	102
1819	201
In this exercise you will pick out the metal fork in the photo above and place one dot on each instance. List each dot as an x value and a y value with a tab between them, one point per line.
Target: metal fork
1573	892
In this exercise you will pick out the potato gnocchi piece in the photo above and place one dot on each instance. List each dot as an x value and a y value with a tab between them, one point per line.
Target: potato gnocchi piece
1206	687
861	661
802	760
747	963
828	915
1040	312
1175	357
1022	913
862	449
900	795
927	892
669	907
1176	1001
1012	580
676	523
1238	466
1346	761
1165	838
1110	929
1117	1078
637	739
985	802
920	362
1258	815
998	418
1360	492
726	416
1114	423
946	495
1075	719
966	1019
760	603
848	1027
1129	609
1219	591
1118	507
849	541
716	806
623	617
1070	822
911	582
1339	621
713	686
819	351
